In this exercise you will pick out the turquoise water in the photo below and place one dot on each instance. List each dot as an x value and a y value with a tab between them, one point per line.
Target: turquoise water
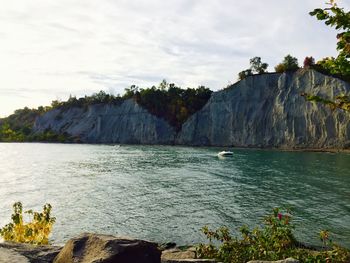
165	193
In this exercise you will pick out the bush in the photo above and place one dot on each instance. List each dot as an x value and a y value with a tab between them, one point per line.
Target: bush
280	68
272	242
36	231
339	18
289	63
245	73
309	62
256	66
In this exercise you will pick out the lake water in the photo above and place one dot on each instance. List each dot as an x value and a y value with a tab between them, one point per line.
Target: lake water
165	193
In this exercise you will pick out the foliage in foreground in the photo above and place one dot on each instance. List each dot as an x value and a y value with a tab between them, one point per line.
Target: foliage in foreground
274	241
36	231
336	17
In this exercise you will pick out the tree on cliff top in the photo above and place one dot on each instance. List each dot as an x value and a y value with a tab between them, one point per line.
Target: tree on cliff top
256	66
337	17
289	63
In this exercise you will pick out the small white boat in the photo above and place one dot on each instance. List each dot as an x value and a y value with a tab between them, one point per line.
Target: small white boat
225	154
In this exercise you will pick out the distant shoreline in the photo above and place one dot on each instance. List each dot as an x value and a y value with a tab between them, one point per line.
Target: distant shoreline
282	149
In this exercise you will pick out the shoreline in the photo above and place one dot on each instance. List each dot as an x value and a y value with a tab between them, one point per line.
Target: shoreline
282	149
87	247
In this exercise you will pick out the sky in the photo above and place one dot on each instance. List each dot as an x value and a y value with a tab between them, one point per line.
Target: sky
51	49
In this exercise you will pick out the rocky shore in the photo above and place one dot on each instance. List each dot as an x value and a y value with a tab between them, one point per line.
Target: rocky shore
93	248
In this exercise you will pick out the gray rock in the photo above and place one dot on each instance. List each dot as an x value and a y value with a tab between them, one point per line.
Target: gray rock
288	260
176	255
91	248
19	252
9	256
127	123
268	111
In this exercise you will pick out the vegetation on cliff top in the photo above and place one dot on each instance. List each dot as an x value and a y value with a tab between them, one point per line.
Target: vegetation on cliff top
170	102
338	18
338	67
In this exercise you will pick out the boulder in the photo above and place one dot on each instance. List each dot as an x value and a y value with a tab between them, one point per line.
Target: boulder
91	248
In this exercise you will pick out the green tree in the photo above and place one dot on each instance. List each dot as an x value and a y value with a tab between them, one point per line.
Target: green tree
245	73
338	18
257	66
163	85
130	92
290	63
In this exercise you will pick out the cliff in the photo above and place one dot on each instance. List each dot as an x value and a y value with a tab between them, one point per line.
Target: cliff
268	111
127	123
260	111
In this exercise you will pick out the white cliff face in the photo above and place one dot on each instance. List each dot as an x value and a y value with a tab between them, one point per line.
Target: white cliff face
261	111
268	111
107	123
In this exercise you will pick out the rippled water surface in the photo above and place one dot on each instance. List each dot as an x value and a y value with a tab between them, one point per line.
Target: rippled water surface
167	194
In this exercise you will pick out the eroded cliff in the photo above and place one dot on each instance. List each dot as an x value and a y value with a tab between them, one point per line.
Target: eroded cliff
127	123
268	111
260	111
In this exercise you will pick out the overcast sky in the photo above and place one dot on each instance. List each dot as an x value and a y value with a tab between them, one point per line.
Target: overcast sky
50	49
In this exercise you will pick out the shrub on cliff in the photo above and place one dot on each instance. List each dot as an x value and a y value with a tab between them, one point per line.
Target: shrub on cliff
256	67
36	231
279	68
274	241
289	63
244	73
309	62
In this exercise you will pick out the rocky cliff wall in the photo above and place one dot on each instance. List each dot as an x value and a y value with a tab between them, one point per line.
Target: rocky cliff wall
261	111
127	123
268	111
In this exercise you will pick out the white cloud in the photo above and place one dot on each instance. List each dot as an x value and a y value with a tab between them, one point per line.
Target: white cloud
50	49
